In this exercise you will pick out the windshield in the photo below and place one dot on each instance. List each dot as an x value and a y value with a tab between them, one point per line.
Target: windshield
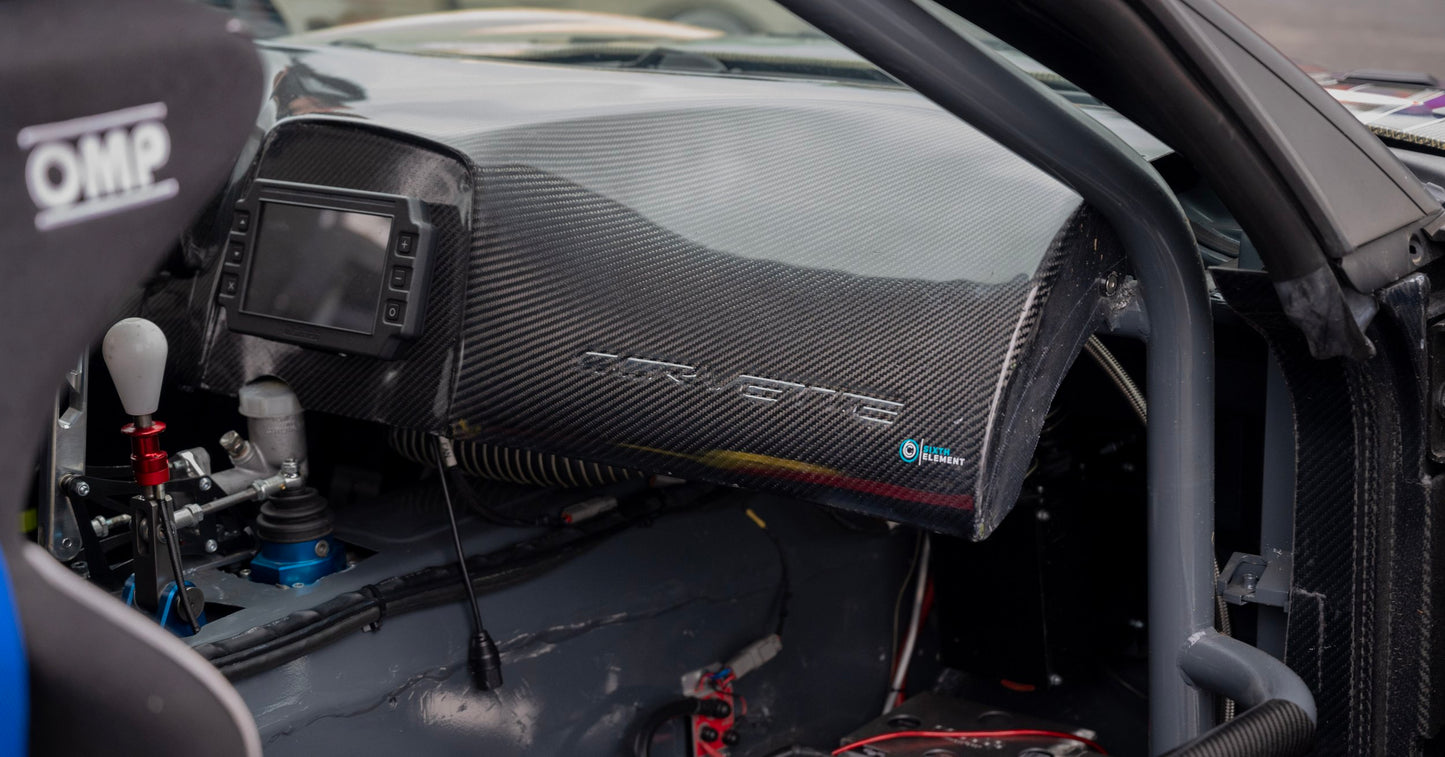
660	19
725	37
760	38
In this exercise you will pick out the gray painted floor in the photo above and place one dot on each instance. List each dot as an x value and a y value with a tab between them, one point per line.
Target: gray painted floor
1343	34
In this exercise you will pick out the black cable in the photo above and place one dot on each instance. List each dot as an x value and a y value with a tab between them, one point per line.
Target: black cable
483	659
785	586
173	550
394	596
263	647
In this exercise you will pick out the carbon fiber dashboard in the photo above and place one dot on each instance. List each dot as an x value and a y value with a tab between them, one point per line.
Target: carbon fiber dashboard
840	293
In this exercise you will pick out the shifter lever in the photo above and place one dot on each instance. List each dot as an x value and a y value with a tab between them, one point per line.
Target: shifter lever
135	352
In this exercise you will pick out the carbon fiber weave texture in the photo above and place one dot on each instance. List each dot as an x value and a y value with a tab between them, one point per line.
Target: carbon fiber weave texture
1364	620
413	392
775	294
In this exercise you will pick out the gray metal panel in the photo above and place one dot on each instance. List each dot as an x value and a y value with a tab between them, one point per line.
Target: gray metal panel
590	648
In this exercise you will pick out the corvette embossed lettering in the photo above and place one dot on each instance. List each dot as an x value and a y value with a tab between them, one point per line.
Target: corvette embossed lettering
757	388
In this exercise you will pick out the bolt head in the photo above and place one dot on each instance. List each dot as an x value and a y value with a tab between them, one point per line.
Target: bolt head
298	585
231	442
80	488
1055	679
1043	515
212	546
1111	285
244	573
205	483
323	548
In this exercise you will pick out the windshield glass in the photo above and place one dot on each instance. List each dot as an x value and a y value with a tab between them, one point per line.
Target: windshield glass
524	19
760	38
726	37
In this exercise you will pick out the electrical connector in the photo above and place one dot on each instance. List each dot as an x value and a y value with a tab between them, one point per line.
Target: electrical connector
484	662
755	655
588	509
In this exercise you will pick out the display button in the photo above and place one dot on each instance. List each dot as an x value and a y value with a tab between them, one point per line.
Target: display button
395	311
230	284
234	252
242	221
406	244
400	277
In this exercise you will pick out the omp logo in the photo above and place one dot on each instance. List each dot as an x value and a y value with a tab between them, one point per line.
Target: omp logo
755	388
93	166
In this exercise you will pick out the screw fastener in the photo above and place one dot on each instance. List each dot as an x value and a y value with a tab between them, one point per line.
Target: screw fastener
1111	284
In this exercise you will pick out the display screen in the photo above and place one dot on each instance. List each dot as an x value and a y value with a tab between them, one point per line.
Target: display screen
318	266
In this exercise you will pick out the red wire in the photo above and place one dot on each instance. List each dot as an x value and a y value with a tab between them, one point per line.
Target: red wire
968	735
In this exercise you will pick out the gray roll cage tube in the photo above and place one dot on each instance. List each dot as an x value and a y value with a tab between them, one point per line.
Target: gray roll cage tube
981	88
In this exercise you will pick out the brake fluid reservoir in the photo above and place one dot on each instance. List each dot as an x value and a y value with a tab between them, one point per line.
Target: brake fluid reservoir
274	421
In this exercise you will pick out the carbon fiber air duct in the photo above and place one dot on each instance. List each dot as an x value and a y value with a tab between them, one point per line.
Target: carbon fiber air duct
515	466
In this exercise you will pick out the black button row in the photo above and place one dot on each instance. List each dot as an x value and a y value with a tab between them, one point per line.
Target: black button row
395	310
235	253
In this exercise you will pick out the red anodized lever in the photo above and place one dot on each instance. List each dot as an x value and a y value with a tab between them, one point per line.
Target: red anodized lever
149	462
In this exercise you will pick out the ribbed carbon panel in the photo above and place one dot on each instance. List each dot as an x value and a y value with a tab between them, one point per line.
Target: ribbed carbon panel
1324	602
773	294
1364	619
514	466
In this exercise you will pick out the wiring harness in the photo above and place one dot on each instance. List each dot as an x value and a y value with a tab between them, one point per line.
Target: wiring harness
267	646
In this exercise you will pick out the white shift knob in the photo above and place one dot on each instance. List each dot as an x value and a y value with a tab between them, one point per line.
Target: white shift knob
135	352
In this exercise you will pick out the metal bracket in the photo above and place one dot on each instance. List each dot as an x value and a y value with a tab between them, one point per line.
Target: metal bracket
1124	307
1257	580
59	529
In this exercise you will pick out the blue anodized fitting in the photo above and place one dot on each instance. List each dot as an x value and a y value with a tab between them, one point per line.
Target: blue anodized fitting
304	562
168	616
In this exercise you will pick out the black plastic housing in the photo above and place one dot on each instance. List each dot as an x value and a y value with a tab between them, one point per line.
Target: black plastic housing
400	306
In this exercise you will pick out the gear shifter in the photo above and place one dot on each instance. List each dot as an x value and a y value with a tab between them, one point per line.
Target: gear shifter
135	352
